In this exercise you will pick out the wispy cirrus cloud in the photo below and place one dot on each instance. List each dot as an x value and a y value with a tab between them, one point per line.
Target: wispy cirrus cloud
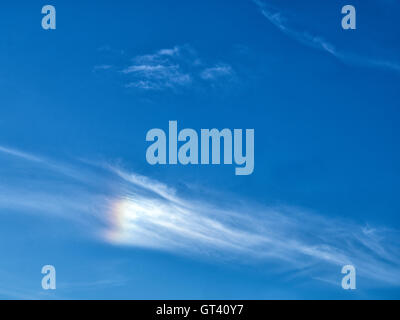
216	72
152	76
172	68
20	154
128	209
280	21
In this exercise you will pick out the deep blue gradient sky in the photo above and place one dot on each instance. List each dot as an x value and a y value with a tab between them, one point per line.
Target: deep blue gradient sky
324	105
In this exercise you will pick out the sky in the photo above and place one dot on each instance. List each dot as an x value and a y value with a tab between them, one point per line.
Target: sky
76	191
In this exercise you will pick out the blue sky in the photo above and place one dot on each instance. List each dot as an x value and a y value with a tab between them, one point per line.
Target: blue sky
76	191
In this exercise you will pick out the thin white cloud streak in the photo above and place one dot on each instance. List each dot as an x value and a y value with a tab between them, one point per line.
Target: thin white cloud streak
20	154
147	183
61	168
141	212
317	42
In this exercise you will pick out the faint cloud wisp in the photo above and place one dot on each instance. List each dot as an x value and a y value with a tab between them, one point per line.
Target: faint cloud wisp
306	38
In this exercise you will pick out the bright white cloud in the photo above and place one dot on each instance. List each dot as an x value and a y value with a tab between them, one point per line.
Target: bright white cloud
141	212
